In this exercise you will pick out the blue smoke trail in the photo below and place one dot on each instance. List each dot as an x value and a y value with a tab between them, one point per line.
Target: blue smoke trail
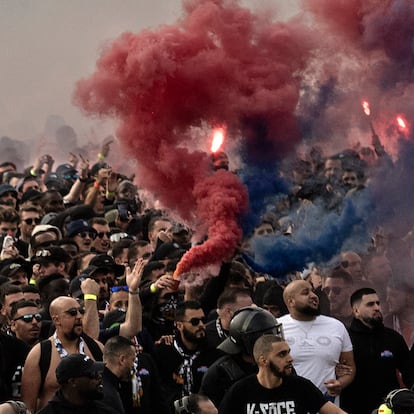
319	239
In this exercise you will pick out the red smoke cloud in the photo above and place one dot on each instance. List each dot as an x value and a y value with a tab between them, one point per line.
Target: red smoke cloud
221	64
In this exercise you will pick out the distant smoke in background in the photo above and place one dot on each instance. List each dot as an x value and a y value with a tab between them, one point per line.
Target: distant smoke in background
276	86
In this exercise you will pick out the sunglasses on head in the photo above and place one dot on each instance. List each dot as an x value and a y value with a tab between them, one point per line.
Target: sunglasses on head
28	317
85	234
101	234
117	236
30	221
74	311
115	289
196	321
335	290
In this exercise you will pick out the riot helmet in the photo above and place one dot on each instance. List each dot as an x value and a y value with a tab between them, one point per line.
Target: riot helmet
246	326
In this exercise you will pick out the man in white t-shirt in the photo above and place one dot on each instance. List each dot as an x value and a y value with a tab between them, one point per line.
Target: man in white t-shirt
320	345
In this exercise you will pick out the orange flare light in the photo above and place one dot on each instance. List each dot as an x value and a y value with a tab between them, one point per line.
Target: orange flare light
218	139
366	108
401	122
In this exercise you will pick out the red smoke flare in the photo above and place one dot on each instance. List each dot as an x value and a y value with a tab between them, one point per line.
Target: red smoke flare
221	65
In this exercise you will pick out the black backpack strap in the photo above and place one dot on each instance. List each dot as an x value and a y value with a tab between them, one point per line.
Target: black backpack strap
46	354
93	347
44	361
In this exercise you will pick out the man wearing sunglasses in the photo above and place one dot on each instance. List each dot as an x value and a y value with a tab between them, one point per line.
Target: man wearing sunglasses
82	233
30	216
102	242
183	364
26	322
338	286
69	338
49	261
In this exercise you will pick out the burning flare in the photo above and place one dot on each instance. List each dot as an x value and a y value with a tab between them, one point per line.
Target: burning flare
218	139
402	124
366	108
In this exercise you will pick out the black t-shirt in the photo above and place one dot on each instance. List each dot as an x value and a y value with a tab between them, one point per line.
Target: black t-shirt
296	395
13	353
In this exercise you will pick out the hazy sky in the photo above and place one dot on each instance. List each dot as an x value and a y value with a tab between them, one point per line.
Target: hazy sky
47	45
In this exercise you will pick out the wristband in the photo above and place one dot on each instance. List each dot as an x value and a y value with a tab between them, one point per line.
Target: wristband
133	292
101	156
110	194
96	185
33	173
32	282
90	296
153	288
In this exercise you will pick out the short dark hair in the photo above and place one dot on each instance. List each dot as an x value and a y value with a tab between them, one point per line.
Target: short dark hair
356	297
29	289
183	306
263	345
115	345
8	289
230	295
21	304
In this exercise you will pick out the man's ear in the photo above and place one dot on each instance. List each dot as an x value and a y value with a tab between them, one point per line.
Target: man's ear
263	360
13	326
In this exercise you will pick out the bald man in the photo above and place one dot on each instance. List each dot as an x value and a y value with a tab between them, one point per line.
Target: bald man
69	338
318	343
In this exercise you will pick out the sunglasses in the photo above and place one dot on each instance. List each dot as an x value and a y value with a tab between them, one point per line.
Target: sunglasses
334	290
85	234
30	221
70	176
28	317
101	234
196	321
74	311
119	289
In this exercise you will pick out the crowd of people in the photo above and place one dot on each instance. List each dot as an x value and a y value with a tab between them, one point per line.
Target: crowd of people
94	321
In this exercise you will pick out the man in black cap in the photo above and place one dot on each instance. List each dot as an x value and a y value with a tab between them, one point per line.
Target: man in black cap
80	381
50	260
8	195
18	270
82	233
103	269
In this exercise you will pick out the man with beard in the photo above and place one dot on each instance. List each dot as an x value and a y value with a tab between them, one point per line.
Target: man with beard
39	381
318	342
246	326
131	380
273	389
183	363
380	352
80	380
118	355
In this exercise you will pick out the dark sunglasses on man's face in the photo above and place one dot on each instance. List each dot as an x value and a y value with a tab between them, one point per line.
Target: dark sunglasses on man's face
85	234
74	311
28	317
101	234
196	321
30	221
